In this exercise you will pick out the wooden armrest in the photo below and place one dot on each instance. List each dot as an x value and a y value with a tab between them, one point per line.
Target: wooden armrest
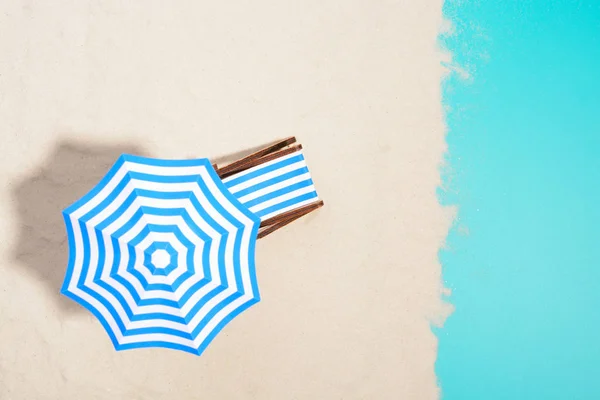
238	165
279	221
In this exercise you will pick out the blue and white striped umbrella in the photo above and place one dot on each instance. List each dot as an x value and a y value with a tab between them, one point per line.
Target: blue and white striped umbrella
162	251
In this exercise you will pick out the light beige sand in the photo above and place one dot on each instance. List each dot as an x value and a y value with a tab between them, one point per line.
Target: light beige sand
348	293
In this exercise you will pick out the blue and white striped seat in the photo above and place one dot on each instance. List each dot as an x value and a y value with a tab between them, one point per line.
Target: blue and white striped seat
274	187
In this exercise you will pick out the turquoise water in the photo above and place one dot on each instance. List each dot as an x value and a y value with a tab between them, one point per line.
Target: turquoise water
523	259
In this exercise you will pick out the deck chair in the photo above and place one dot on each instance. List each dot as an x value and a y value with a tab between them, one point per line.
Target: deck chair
274	183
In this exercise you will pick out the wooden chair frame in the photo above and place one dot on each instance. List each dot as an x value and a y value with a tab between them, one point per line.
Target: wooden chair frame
272	152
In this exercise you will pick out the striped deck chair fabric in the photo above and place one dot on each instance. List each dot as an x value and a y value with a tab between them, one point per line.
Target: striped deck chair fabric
274	183
274	187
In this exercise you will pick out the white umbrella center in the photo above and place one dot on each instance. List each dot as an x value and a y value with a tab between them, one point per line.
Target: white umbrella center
161	258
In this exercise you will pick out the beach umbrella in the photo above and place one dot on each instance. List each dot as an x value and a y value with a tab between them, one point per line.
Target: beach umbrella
162	251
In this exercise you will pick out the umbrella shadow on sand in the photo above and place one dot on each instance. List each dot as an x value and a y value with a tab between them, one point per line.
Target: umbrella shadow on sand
70	171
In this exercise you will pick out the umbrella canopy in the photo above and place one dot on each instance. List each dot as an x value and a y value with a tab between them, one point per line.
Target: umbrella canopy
162	253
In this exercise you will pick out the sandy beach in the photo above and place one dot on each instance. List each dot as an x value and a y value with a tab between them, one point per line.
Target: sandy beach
348	293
